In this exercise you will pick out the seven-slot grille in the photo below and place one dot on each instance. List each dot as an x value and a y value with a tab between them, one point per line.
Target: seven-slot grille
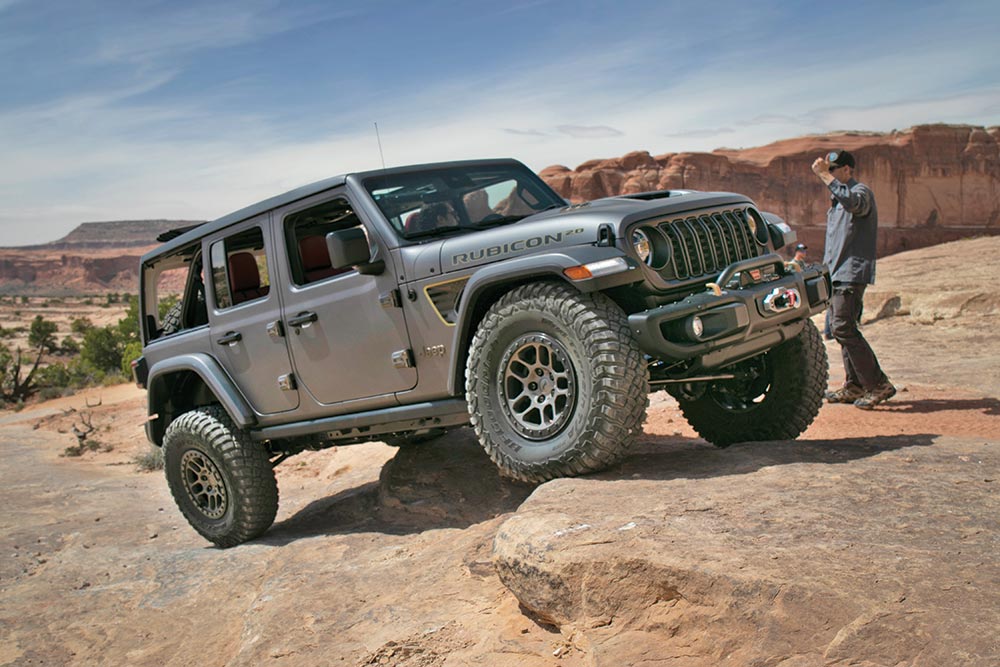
708	243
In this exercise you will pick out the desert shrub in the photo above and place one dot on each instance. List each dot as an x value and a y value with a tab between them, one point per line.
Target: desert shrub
42	334
69	346
81	325
48	393
102	349
150	459
54	376
133	350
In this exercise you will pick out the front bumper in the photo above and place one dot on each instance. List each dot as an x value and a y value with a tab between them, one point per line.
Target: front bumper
739	323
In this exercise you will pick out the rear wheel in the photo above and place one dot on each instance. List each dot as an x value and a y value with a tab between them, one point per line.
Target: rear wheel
555	382
774	396
221	480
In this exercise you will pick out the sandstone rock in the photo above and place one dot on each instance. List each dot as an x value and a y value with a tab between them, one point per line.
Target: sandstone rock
809	552
933	183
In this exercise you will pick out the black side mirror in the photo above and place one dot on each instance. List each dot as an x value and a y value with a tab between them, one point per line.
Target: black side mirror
349	248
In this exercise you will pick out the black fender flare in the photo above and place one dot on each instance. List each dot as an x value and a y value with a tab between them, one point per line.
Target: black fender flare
520	270
215	378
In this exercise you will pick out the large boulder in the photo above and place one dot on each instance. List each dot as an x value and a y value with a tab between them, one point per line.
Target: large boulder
791	554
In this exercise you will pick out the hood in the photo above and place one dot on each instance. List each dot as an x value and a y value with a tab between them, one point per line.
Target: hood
570	226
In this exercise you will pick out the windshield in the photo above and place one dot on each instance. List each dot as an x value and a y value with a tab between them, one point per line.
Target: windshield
449	200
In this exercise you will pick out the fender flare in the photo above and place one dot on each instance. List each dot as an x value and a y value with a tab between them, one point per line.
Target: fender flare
214	377
514	272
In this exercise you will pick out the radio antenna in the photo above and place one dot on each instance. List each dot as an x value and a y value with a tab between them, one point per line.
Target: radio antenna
379	140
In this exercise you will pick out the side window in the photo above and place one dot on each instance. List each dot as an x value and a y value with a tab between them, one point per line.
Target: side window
175	299
305	237
239	268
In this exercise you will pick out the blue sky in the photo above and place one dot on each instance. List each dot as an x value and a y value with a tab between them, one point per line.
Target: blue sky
147	109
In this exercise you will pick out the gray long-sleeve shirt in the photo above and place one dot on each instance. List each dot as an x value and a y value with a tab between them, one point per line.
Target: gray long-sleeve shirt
851	233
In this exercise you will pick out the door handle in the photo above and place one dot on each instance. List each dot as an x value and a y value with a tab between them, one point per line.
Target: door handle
230	339
303	319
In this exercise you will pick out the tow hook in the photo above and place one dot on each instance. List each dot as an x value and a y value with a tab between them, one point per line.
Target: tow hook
781	299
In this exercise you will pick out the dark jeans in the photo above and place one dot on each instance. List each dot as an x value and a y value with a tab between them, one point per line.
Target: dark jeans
860	365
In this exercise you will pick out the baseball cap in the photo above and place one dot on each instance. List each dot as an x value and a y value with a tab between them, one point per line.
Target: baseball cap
802	246
840	158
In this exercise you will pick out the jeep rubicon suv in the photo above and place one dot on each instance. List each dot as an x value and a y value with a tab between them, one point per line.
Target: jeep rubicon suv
391	305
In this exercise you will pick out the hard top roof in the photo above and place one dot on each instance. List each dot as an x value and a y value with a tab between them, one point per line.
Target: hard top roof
195	233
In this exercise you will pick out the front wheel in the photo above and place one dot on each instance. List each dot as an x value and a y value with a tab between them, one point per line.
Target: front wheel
555	382
774	396
221	480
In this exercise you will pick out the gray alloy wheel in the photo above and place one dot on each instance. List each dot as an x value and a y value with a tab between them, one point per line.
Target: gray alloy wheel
537	386
555	382
221	480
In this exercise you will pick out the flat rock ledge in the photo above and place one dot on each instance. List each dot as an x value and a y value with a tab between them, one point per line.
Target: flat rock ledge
880	552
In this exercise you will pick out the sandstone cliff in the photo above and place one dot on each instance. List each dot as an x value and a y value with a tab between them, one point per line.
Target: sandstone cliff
933	183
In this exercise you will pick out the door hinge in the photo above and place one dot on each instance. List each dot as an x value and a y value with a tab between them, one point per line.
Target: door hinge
390	299
402	359
287	382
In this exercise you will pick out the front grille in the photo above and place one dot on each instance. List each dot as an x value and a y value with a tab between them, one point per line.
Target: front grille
708	243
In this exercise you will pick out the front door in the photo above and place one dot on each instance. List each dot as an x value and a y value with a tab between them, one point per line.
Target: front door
245	314
345	330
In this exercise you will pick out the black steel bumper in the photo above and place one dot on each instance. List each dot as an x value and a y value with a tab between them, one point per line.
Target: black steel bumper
738	323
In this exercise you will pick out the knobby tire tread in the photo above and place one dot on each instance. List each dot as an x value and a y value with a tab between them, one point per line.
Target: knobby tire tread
619	379
254	496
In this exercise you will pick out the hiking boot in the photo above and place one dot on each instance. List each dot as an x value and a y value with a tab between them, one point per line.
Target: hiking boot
873	397
849	393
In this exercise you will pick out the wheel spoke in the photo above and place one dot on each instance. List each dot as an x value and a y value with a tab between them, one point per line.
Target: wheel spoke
538	385
204	484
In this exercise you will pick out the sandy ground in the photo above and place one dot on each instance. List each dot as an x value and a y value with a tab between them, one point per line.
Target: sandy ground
384	556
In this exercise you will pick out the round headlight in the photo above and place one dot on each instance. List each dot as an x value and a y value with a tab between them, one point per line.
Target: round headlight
642	245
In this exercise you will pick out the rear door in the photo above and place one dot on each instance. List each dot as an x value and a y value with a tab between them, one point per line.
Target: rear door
245	314
346	330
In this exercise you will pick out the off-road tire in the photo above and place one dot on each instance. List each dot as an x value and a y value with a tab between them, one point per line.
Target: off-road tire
172	319
610	383
206	440
797	378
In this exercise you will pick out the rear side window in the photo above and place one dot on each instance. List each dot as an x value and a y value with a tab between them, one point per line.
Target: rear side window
174	298
239	269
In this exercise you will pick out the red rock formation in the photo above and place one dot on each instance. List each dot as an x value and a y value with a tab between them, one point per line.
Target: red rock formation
933	183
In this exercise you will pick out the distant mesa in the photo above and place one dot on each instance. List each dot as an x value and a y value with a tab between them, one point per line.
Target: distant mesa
94	258
117	234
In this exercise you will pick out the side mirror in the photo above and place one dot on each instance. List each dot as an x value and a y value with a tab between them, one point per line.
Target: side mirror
349	248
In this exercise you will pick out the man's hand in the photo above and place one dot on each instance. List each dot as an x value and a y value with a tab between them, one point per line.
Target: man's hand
821	167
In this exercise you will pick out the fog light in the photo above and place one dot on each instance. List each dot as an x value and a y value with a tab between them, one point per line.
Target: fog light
697	327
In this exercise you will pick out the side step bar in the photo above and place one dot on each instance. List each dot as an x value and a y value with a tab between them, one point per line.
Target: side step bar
446	412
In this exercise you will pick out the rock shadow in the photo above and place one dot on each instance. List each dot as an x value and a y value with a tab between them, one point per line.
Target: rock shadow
988	406
693	458
449	482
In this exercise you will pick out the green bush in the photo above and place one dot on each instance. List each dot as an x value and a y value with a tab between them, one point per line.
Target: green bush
133	350
42	334
102	349
81	325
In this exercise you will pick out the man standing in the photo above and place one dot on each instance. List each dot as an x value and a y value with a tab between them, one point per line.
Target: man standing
851	234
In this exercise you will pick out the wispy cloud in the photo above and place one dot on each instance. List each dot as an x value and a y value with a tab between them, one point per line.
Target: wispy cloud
589	131
156	140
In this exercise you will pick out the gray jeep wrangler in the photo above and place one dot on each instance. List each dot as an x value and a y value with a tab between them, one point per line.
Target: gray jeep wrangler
391	305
